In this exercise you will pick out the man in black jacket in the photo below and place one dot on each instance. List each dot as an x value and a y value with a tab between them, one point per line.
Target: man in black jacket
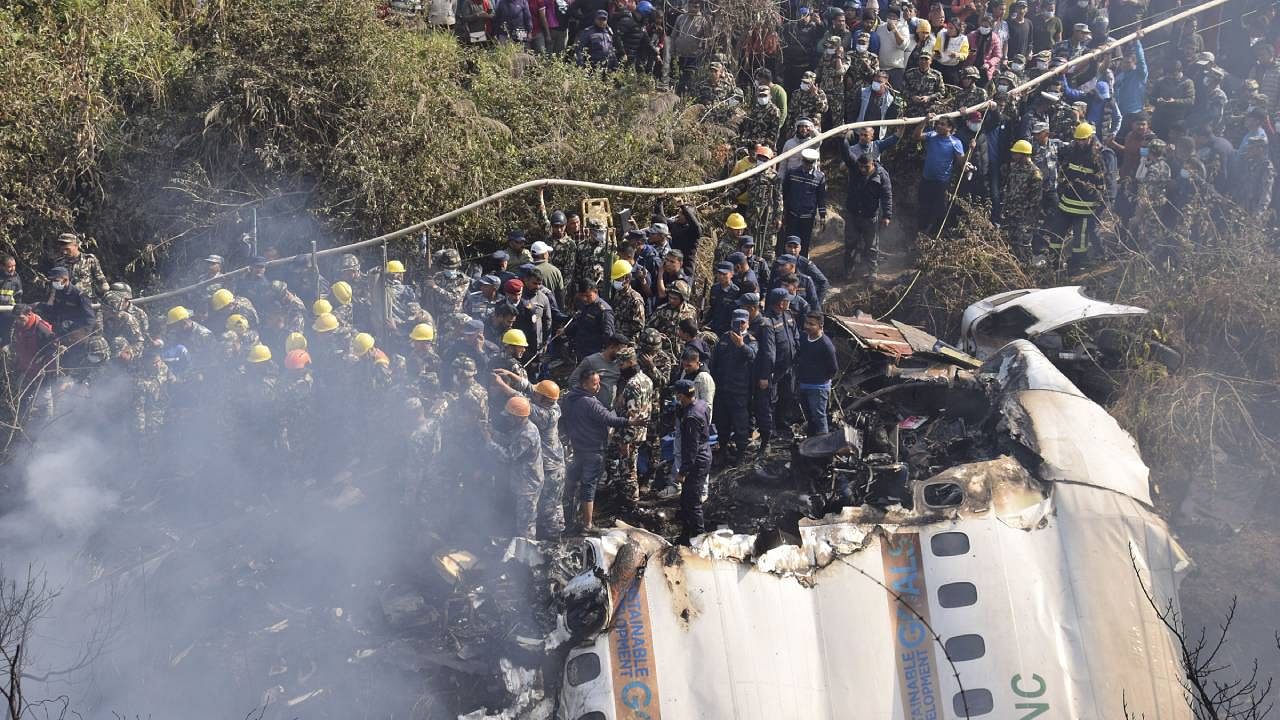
732	367
695	457
868	207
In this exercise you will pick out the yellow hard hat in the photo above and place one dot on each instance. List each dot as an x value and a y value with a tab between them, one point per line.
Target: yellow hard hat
736	222
295	341
237	322
515	337
1022	147
325	323
423	331
621	269
259	353
362	343
1084	131
320	307
548	389
342	291
395	266
177	314
221	298
518	406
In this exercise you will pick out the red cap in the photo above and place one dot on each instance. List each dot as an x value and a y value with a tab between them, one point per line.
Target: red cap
513	286
297	359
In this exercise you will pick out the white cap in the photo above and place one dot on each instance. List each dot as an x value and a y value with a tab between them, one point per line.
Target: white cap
810	154
540	248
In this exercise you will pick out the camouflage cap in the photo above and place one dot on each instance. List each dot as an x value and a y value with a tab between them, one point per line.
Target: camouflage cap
349	262
650	338
464	365
450	259
626	352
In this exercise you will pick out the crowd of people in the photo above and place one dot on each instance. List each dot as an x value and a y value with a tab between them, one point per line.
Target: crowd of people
594	356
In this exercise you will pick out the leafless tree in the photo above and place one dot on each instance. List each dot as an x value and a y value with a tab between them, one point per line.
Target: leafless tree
1215	690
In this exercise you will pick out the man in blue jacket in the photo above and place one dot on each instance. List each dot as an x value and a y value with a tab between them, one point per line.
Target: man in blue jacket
804	199
586	422
775	365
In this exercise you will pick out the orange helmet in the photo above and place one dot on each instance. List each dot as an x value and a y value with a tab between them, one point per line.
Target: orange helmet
548	389
297	359
764	150
518	406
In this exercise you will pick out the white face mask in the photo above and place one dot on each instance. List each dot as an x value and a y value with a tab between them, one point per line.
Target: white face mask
60	285
984	30
1184	174
805	85
831	51
1003	88
862	47
974	127
875	86
617	284
1016	67
762	101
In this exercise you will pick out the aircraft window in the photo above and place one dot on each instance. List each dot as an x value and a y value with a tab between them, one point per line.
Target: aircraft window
583	668
943	495
595	715
949	543
957	594
972	703
965	647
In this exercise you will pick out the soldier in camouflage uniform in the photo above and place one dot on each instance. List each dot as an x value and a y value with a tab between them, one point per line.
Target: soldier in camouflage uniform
446	289
466	421
762	123
863	66
666	319
426	503
717	86
121	327
728	112
654	358
284	313
545	415
520	452
924	87
1022	198
628	304
138	313
591	254
810	101
764	207
151	385
970	92
635	399
831	69
223	304
86	271
297	403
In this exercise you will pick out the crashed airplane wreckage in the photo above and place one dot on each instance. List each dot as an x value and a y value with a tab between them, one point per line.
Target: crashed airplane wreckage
984	547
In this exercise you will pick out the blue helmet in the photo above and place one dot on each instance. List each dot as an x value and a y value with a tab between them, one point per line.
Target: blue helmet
644	7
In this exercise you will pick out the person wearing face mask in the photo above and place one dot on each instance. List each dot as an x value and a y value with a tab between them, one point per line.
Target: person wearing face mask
896	43
1013	73
986	50
762	123
831	69
86	271
1022	198
810	101
922	39
804	130
952	50
1046	29
1018	32
71	314
863	65
628	303
1082	186
877	101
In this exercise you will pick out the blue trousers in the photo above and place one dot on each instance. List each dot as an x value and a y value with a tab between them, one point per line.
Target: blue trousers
813	402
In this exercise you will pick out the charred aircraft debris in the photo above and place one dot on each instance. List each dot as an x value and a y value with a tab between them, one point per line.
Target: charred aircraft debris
964	544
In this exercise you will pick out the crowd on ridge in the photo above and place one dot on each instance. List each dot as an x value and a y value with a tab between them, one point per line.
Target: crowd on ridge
581	354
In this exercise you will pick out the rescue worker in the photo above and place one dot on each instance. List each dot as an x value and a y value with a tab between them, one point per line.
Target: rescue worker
446	289
722	298
544	413
762	123
521	454
805	266
84	269
732	368
635	400
592	324
223	303
1022	198
628	305
695	462
666	319
1081	186
775	367
804	199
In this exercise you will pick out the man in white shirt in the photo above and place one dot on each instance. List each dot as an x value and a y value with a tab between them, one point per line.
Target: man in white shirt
896	44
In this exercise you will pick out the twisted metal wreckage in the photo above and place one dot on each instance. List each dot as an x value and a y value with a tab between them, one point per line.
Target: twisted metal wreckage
996	558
